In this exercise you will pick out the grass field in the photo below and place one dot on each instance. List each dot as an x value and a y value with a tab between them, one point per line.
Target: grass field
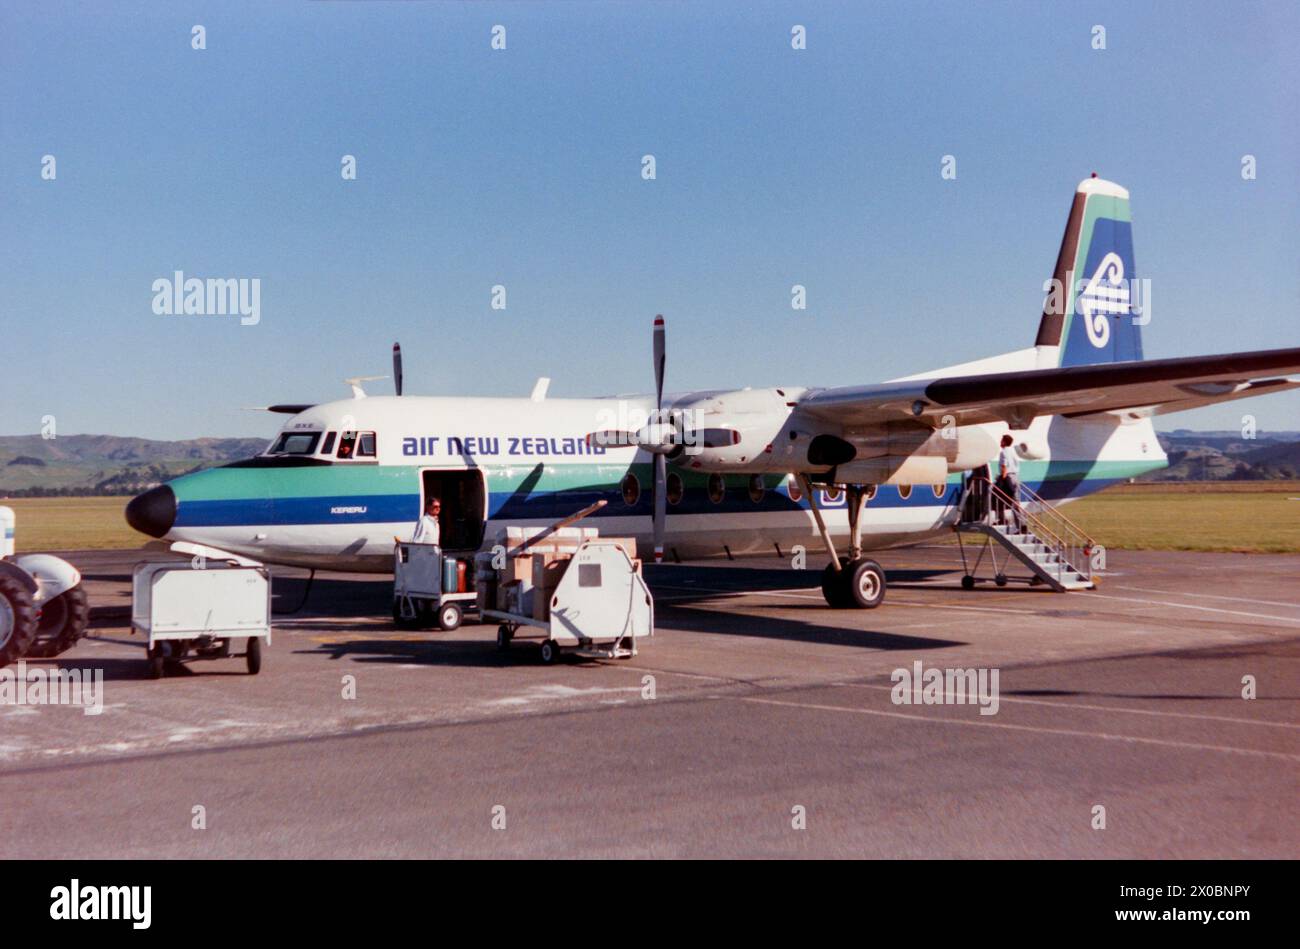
72	524
1253	516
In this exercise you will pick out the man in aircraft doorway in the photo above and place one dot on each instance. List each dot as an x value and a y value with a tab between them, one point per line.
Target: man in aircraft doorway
427	530
1009	478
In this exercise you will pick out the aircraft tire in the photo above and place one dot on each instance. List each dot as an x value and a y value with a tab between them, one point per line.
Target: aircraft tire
835	586
865	586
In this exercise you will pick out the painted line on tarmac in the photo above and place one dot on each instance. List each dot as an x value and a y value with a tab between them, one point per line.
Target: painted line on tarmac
1105	736
1203	609
1211	596
1097	708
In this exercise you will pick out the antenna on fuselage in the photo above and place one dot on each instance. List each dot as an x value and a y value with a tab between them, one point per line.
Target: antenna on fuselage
397	367
355	383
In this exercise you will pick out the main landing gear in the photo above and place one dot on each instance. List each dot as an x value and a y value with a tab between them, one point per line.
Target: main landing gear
855	581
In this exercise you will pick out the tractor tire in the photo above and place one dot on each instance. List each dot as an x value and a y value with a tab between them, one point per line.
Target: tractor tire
17	620
63	622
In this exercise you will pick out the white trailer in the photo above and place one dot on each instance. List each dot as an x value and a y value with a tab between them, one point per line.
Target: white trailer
599	609
202	610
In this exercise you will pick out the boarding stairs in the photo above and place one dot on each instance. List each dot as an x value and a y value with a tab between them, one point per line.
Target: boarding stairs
1028	530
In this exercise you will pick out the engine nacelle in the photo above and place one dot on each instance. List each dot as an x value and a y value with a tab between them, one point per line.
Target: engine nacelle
732	431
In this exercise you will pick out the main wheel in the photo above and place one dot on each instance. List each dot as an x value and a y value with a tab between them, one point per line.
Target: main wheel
835	587
866	584
449	616
63	621
17	619
503	638
253	655
550	652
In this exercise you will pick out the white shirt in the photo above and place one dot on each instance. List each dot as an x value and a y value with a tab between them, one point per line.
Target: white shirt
426	530
1009	461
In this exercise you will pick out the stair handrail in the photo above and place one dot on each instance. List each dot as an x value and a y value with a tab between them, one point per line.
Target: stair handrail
1073	547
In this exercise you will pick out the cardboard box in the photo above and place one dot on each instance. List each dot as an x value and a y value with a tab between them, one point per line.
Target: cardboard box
548	571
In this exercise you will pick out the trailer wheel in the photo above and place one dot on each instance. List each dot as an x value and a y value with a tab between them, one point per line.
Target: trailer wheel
253	655
63	622
968	583
550	652
1000	579
503	638
17	620
449	615
156	661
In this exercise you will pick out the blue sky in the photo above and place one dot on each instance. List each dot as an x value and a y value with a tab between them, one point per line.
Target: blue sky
521	167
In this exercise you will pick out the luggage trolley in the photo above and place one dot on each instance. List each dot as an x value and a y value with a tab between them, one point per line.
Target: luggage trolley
598	608
429	587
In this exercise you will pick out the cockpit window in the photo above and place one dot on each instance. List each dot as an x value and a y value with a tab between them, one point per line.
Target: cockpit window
295	443
329	444
357	445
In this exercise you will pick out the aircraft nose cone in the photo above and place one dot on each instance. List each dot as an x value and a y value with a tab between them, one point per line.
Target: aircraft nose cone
153	512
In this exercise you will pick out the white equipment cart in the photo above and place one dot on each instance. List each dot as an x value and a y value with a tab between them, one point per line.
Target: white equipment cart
420	597
599	608
201	612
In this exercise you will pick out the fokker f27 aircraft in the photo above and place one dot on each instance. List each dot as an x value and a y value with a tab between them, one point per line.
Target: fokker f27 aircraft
881	463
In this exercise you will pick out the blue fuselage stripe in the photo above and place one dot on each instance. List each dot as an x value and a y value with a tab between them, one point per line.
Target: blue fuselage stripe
553	505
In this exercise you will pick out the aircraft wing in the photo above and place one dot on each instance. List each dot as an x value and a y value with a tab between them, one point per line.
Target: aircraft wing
1146	387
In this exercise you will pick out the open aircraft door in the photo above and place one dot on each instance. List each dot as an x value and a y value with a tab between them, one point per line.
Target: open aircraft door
463	492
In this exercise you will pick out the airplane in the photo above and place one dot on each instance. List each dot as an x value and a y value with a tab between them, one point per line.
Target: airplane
730	473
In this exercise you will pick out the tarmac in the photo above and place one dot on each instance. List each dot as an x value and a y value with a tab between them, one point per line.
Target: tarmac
756	722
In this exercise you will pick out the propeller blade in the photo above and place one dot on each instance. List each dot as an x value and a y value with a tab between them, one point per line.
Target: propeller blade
397	367
659	361
661	505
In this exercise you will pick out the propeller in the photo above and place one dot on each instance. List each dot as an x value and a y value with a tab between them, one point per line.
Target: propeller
397	367
661	458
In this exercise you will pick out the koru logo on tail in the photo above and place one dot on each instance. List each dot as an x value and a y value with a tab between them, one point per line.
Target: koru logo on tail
1107	292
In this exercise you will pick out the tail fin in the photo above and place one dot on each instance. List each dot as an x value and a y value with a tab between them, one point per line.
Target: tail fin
1089	316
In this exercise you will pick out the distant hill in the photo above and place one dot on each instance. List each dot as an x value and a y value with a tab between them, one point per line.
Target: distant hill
108	464
1227	456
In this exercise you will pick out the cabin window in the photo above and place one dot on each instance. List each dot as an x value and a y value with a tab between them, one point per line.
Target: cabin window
939	489
675	488
904	491
757	488
792	489
295	443
871	491
717	488
367	447
328	447
631	489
